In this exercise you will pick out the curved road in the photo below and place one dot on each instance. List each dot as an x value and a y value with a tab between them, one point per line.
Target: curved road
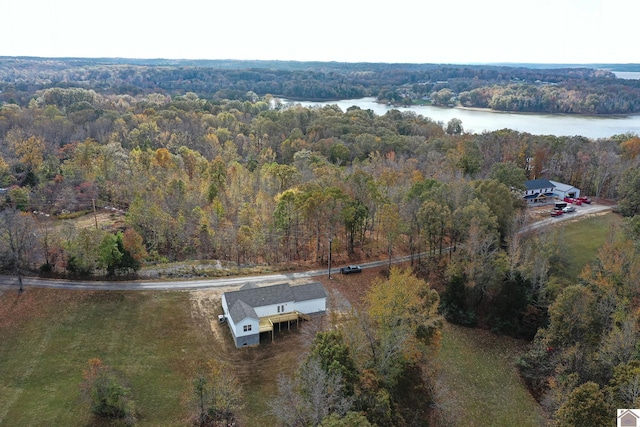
580	212
12	282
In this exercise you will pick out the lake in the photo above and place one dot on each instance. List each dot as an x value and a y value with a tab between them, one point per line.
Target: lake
478	121
630	75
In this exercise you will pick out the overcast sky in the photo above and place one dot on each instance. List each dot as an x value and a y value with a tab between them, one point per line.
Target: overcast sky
447	31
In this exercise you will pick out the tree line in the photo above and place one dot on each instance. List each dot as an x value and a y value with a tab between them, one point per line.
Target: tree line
258	181
505	88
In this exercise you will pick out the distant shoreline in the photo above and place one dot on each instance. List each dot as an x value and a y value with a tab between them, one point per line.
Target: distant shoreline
489	110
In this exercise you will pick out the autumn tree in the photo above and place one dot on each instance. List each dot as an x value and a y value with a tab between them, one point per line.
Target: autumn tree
115	256
354	215
509	174
592	334
586	406
28	150
309	397
629	190
407	308
17	240
501	201
435	219
351	419
454	126
82	250
391	225
217	397
334	356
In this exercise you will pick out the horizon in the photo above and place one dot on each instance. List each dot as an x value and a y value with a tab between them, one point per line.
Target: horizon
505	64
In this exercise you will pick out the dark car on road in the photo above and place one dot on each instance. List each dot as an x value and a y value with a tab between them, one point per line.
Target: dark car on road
351	269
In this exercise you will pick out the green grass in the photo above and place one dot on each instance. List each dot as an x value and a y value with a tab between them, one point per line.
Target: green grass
151	338
479	371
580	241
47	337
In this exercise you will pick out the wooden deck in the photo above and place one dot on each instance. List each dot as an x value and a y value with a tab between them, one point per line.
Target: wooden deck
267	324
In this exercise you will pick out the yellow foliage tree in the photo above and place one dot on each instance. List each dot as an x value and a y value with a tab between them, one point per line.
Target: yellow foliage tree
29	151
404	301
163	158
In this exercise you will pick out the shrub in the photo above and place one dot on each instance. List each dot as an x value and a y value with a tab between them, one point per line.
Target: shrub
109	398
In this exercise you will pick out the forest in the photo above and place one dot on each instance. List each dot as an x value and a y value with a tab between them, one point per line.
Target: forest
567	90
251	181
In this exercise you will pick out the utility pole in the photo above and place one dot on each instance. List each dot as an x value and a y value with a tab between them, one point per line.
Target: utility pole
330	239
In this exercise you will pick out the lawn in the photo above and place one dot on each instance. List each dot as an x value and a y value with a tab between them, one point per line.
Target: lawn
47	337
158	341
479	370
582	239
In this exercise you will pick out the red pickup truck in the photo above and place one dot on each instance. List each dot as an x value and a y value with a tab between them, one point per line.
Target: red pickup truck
584	200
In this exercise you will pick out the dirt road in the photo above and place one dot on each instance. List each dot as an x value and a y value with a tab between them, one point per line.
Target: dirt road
581	212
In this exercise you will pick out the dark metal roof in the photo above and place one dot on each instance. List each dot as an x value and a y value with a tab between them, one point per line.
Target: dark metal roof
535	184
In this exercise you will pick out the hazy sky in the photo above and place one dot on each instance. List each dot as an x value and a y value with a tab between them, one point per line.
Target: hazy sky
446	31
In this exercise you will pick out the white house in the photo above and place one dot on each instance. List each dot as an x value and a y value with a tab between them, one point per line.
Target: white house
546	191
538	191
251	309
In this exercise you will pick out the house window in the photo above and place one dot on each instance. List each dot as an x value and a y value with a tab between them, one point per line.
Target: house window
278	309
282	308
247	328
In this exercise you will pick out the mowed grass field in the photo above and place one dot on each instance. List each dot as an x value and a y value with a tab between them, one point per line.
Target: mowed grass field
47	337
158	341
580	240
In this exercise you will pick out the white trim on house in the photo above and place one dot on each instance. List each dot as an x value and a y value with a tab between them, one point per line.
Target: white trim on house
546	191
244	308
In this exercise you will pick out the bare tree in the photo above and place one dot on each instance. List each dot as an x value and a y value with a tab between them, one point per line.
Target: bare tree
17	239
309	397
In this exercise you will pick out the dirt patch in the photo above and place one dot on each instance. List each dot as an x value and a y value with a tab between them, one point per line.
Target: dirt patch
206	305
351	289
258	368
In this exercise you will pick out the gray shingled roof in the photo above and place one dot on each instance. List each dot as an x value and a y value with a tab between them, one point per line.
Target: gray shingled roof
242	301
241	310
308	292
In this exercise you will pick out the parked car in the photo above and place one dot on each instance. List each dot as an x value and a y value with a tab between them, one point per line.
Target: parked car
569	209
568	199
585	200
556	213
351	269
